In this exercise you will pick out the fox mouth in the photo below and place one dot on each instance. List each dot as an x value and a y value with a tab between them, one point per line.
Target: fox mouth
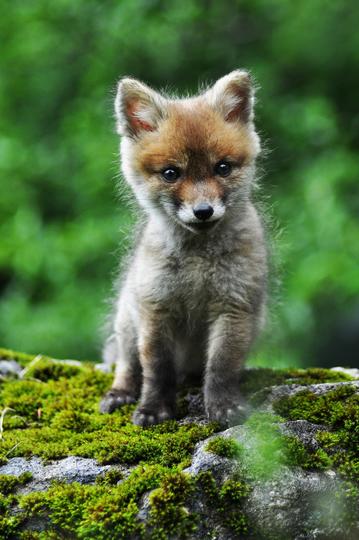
203	225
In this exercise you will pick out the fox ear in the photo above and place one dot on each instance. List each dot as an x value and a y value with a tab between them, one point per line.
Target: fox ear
233	96
138	108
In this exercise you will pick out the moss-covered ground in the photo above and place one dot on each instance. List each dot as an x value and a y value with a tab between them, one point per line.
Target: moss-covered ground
338	411
52	412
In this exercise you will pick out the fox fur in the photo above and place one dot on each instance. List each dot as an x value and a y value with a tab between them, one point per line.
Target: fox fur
193	297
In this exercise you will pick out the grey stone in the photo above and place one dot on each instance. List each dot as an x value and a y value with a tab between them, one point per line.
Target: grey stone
352	372
299	504
69	362
39	357
288	390
304	431
70	469
10	368
289	503
195	409
105	368
144	507
207	461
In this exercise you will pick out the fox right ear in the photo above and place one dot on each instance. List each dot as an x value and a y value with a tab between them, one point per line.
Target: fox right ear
233	96
138	108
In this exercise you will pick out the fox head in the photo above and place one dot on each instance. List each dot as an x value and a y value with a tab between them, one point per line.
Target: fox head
189	160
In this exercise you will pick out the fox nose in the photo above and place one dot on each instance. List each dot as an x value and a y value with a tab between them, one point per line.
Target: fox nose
203	211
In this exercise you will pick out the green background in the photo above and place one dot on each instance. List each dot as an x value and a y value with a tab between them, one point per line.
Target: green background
62	226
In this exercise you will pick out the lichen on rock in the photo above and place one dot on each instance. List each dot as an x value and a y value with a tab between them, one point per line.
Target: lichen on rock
68	471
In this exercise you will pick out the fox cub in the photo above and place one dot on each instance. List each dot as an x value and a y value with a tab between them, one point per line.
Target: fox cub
193	297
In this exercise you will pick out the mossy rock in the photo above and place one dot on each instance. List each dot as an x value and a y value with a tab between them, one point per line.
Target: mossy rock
144	483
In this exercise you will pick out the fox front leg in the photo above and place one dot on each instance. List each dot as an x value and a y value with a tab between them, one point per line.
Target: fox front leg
158	394
121	349
229	340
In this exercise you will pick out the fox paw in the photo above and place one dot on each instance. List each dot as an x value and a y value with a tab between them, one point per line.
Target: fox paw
114	398
226	413
143	416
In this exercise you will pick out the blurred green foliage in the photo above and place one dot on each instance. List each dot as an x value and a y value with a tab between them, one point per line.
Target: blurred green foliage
62	228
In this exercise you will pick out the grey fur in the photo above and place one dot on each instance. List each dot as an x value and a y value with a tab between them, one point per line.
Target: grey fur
190	303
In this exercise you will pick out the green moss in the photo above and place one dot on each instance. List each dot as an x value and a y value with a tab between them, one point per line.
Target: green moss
76	510
257	379
207	485
339	445
223	447
234	491
36	535
60	418
226	501
168	514
315	376
330	408
45	369
9	524
9	483
264	452
339	411
22	358
107	511
110	478
54	414
297	454
232	495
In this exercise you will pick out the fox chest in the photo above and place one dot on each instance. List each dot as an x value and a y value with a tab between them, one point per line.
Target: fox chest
190	283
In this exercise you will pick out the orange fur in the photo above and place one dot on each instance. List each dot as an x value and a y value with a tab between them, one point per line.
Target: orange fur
194	137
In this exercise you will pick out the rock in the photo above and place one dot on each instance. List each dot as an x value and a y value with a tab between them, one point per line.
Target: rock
10	368
260	492
202	461
49	361
298	504
293	503
287	390
105	368
195	409
352	372
145	507
304	431
70	469
69	362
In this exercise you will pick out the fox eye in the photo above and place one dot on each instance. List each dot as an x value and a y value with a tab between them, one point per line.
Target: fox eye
223	168
171	174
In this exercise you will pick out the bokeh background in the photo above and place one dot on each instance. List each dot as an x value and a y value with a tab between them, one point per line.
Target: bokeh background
62	226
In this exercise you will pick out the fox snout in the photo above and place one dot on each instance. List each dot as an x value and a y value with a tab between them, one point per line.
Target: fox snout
201	214
203	211
200	203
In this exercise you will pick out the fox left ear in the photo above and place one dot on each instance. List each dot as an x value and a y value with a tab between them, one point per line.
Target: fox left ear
233	96
138	108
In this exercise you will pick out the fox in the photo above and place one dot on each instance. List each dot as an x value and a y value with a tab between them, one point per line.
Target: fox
192	300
